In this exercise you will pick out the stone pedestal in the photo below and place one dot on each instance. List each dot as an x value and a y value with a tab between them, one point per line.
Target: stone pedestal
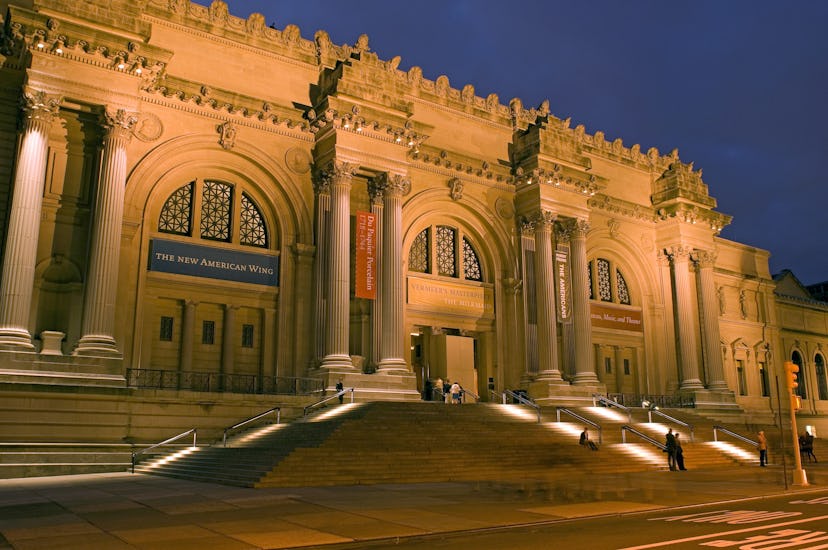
52	342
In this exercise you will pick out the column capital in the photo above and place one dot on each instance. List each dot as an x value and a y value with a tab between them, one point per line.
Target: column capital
39	106
392	185
543	219
678	252
333	173
118	123
577	227
704	258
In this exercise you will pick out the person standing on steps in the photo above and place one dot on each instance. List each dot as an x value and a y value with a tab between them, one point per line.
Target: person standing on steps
762	445
670	449
679	453
339	388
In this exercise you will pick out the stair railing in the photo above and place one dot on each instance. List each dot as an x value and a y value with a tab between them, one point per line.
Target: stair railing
193	431
598	398
671	419
277	410
474	395
522	400
582	419
329	398
645	437
717	429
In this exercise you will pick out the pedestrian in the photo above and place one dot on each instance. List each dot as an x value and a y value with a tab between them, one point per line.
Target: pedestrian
586	442
438	387
762	444
447	390
806	446
339	388
670	449
456	393
679	453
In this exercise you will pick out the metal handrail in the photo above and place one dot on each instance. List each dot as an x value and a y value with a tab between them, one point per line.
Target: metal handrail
584	420
597	397
731	433
249	420
193	431
645	437
329	398
476	397
523	400
671	419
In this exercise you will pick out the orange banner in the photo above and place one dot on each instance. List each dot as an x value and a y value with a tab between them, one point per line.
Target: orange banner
606	316
366	253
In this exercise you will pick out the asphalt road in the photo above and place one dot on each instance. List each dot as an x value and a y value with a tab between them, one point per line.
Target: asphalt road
790	522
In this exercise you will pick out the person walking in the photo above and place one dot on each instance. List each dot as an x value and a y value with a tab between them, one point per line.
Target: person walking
670	449
762	445
806	446
679	453
456	393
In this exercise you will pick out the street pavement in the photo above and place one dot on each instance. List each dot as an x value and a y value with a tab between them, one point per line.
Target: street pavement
135	511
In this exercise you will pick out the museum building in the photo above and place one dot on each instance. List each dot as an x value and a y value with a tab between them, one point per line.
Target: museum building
201	212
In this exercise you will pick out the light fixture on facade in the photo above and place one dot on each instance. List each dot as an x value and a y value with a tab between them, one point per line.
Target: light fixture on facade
41	45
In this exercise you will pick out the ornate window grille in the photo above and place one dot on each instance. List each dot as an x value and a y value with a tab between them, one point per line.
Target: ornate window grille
216	207
418	254
446	261
176	214
252	229
471	265
604	287
623	292
589	281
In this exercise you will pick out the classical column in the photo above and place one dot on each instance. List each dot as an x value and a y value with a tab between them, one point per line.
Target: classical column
322	189
545	298
375	192
20	257
680	259
705	261
187	336
98	328
392	350
338	278
582	325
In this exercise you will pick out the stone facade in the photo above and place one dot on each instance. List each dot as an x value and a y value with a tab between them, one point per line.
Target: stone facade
194	198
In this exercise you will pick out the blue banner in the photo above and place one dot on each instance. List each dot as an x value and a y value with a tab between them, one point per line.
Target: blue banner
213	263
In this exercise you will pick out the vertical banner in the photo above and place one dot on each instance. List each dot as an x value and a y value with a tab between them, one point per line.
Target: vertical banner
562	278
366	251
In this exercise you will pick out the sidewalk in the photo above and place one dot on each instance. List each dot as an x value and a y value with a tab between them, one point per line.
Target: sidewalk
120	511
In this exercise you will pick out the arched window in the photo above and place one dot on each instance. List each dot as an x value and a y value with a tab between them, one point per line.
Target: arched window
796	358
600	277
822	380
214	211
450	260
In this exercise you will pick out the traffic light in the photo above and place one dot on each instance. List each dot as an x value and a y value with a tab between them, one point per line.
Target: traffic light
791	370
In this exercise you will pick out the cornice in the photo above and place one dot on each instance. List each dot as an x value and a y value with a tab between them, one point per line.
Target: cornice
249	120
624	208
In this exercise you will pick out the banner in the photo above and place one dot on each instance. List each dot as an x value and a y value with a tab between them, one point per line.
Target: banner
365	285
607	316
213	263
562	272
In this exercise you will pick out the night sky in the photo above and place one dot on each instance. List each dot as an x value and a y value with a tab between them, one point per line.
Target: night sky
739	87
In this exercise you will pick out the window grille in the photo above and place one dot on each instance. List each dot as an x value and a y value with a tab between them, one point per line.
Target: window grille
216	204
418	254
604	288
247	336
166	333
177	211
208	332
446	261
623	293
252	227
471	265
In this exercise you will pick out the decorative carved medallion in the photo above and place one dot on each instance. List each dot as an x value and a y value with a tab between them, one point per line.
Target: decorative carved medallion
297	160
148	128
455	189
504	208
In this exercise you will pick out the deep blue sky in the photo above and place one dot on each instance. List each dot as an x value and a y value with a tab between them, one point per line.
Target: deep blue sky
740	87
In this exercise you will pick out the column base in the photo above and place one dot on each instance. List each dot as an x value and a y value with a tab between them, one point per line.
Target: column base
392	366
97	345
336	361
692	384
15	339
585	379
550	376
718	387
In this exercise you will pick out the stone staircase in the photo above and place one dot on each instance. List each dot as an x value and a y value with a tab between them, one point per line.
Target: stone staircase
404	442
50	459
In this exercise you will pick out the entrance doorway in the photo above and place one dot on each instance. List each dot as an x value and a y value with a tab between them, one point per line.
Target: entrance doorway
446	355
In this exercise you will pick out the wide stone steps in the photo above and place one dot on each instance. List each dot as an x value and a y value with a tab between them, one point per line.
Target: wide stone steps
45	459
372	443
